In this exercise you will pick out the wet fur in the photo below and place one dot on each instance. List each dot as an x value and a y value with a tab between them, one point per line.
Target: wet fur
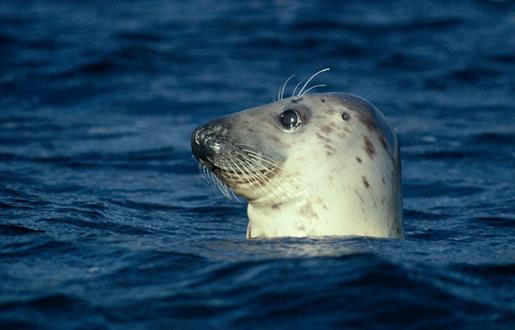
329	177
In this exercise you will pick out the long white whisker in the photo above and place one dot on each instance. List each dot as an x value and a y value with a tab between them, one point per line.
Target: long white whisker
244	174
216	183
297	86
262	179
260	161
267	160
233	194
249	171
311	78
312	87
295	179
281	95
230	193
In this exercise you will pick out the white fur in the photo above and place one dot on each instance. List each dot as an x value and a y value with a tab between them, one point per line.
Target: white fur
326	189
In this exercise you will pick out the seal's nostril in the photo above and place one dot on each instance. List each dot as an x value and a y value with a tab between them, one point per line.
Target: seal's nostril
196	136
199	143
207	139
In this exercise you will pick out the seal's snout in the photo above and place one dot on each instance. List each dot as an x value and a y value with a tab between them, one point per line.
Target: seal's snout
198	145
206	140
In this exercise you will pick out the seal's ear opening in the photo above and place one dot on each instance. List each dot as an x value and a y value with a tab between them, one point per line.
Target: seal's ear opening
345	116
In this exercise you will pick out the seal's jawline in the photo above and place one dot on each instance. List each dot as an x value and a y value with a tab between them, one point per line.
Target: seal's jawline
243	184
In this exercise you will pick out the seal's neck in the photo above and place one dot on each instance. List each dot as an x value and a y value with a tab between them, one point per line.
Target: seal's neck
328	212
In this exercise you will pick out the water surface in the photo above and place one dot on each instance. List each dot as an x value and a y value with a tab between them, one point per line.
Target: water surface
105	221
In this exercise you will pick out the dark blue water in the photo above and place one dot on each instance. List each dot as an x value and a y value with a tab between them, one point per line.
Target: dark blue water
105	221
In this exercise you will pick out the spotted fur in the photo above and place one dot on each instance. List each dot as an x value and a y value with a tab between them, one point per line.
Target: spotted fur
330	176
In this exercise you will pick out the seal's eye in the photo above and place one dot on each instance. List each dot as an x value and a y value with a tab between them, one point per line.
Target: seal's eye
345	116
290	119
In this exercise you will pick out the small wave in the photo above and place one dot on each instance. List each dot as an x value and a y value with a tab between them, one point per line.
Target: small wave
39	247
473	74
103	225
370	27
14	230
442	188
494	138
146	36
502	222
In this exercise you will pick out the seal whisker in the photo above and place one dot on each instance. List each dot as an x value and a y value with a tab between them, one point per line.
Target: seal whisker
311	78
262	179
280	96
250	150
294	182
244	174
215	182
297	86
248	173
258	177
312	87
317	181
263	158
208	176
226	190
256	173
292	177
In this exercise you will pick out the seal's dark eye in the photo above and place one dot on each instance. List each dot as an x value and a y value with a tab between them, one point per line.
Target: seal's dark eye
345	116
290	119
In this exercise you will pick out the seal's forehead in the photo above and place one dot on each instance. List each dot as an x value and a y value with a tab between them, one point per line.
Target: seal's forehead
362	110
341	100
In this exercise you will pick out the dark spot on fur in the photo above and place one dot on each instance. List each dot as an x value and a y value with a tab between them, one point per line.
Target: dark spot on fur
369	147
330	149
383	200
360	198
275	138
326	129
323	138
323	100
358	159
346	129
383	143
368	121
307	211
382	179
365	182
276	206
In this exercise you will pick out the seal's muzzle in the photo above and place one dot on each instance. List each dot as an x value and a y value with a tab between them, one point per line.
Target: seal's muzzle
207	140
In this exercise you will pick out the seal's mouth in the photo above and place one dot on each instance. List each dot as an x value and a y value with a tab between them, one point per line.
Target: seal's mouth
237	171
229	165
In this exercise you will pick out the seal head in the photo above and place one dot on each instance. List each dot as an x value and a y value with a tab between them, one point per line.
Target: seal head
317	165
